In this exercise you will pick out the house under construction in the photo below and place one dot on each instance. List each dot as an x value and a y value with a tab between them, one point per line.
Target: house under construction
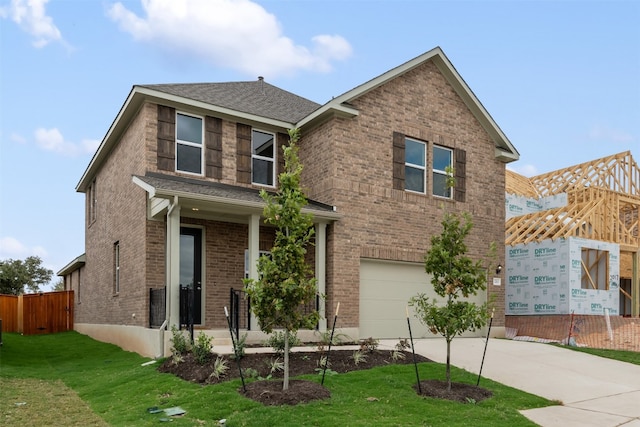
573	240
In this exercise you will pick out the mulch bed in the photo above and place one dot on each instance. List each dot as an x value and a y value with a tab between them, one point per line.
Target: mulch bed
269	392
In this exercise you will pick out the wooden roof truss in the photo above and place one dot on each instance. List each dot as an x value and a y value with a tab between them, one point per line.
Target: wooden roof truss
603	203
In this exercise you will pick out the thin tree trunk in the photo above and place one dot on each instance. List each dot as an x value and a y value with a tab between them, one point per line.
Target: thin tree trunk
448	365
285	381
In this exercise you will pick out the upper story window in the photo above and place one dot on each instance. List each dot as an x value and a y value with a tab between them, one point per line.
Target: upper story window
263	158
415	161
442	159
189	150
421	167
92	202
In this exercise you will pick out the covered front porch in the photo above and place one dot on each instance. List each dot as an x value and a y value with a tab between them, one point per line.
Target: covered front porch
214	235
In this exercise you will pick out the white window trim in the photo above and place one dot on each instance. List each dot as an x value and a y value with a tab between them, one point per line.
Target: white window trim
441	172
191	144
269	159
415	166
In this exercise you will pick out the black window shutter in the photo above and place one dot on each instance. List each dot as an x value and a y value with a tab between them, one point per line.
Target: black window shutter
213	147
243	152
283	139
166	159
398	161
460	170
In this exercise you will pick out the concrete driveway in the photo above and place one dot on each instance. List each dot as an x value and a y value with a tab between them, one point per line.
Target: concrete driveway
594	391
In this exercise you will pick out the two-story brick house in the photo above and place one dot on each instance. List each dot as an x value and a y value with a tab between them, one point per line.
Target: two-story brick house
172	197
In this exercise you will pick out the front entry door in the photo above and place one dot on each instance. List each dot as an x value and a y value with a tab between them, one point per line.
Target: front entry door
190	274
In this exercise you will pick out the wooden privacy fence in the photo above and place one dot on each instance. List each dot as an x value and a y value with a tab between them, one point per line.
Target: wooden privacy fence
43	313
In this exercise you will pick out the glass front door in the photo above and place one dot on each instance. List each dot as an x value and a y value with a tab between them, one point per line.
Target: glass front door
190	275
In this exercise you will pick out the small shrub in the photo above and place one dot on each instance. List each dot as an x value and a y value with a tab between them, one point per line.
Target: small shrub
397	355
241	345
275	365
177	358
369	345
202	348
219	368
179	340
276	341
324	367
400	348
250	373
359	357
325	337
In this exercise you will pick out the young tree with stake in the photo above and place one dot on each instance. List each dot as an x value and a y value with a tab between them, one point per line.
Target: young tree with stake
453	276
286	281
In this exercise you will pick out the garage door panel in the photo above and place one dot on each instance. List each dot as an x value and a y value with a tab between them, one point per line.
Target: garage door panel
385	290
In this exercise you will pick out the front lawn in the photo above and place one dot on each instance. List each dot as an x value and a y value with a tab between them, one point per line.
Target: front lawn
79	381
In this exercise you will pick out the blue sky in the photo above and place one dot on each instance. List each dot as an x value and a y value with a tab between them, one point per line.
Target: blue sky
561	78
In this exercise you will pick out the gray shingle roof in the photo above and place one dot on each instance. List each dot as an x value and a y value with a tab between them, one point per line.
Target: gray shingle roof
197	187
257	97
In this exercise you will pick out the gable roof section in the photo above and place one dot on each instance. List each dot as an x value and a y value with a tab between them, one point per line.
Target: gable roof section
258	102
255	102
505	151
258	98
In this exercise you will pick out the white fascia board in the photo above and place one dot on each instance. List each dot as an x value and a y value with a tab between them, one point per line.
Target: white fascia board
506	156
73	265
157	206
256	207
339	110
150	189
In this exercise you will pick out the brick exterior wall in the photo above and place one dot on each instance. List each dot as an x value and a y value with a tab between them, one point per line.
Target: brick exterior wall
121	217
348	164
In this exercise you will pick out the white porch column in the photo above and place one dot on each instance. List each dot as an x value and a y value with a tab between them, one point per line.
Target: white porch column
321	270
254	254
173	264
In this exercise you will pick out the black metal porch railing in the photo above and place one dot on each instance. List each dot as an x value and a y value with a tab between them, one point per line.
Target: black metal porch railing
239	310
187	309
157	307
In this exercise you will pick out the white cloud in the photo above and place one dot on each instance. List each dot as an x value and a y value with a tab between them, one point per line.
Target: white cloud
11	247
238	34
52	140
31	17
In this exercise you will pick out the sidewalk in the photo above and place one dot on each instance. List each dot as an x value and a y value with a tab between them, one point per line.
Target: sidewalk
594	391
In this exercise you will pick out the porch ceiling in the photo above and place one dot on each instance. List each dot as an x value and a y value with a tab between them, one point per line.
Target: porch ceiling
205	198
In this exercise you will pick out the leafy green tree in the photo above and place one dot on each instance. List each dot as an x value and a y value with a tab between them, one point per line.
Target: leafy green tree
59	285
453	275
286	283
16	275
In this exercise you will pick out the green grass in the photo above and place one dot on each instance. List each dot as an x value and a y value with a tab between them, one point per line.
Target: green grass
110	384
621	355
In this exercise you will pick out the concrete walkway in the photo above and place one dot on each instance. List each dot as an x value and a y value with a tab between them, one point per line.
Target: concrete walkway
594	391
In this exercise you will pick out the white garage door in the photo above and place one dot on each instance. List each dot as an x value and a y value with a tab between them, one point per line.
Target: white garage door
385	290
